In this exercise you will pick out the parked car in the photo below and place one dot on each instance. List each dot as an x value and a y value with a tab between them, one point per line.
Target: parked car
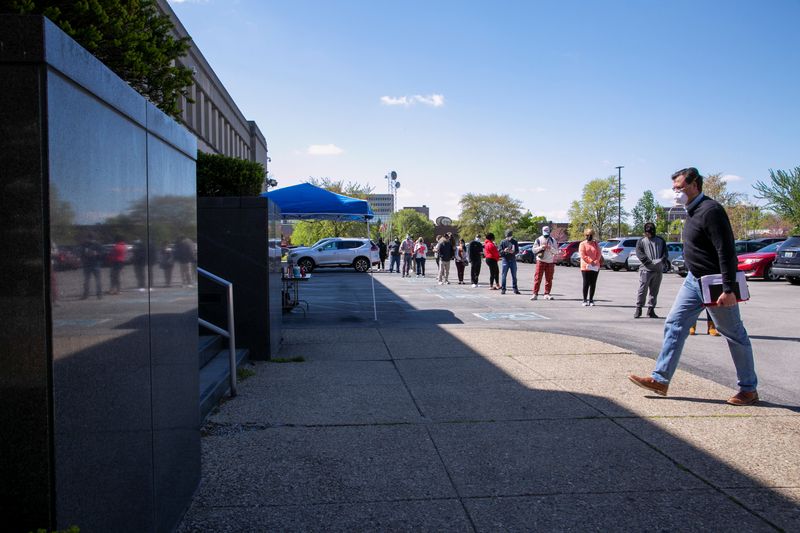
745	247
565	251
617	251
336	252
769	240
674	249
759	264
575	259
787	260
66	258
525	254
679	266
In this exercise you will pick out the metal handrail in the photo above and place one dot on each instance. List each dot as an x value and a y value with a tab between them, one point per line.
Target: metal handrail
230	333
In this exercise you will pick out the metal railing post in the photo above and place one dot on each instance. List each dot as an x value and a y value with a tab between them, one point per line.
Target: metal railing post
230	333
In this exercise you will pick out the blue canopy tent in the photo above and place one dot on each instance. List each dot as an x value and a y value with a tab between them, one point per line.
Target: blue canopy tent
309	202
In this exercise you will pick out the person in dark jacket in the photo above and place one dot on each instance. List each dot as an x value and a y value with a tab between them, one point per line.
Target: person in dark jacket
508	251
382	254
446	251
394	255
708	248
92	260
652	252
475	255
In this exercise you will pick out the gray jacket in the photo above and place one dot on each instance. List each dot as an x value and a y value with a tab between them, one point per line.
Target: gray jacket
652	253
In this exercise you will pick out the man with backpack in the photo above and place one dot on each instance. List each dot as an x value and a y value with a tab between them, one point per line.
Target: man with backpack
475	255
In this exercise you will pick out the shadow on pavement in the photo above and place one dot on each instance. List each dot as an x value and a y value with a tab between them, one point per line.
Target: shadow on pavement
407	424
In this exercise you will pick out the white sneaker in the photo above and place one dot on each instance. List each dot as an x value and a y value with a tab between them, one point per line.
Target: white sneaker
585	303
441	283
535	297
548	297
474	285
591	304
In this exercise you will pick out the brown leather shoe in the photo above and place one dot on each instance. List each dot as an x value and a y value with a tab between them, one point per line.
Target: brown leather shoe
650	384
744	398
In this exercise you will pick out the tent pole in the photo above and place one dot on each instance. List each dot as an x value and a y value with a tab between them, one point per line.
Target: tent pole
372	277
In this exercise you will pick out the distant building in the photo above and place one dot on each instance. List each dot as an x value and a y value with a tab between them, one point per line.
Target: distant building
214	118
424	210
675	212
381	205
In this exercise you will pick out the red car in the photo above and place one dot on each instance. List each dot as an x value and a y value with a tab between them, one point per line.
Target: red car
759	264
565	252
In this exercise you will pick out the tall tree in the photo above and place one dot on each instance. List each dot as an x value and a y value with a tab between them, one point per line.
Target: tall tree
597	208
131	37
480	211
782	193
529	227
716	188
410	222
646	210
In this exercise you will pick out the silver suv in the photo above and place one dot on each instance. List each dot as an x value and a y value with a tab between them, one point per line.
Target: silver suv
359	253
616	252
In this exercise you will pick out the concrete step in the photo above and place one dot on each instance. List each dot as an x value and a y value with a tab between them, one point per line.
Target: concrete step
208	347
215	379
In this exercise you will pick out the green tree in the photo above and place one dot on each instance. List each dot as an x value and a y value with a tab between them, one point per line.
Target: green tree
716	188
480	211
131	37
745	219
528	227
221	175
646	210
676	230
597	209
410	222
662	220
782	193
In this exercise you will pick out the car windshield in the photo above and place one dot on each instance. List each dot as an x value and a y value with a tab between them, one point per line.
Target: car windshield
770	247
791	242
611	244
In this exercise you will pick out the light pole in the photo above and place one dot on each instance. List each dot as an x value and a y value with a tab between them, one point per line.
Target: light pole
391	179
619	201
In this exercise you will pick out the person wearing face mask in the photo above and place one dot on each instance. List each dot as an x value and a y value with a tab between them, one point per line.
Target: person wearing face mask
708	248
545	249
591	259
652	252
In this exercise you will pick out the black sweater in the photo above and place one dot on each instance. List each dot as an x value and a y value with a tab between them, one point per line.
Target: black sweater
708	243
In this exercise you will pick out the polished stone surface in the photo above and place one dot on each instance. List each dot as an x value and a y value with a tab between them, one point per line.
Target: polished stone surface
99	355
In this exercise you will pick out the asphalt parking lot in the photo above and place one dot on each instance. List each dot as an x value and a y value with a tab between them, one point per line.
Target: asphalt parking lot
344	297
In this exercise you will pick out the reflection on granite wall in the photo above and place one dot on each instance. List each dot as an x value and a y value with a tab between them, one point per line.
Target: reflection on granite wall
103	234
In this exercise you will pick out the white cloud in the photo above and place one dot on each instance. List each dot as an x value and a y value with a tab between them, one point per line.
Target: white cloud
727	178
559	215
324	149
433	100
530	189
665	194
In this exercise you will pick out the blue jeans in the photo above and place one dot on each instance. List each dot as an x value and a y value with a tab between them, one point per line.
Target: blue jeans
512	266
394	260
683	315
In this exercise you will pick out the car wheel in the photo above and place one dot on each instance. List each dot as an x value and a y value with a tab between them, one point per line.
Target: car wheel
793	280
769	275
615	268
306	263
361	264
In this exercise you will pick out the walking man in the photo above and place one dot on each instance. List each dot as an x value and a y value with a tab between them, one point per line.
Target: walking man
509	248
544	248
446	251
708	248
652	252
407	249
475	256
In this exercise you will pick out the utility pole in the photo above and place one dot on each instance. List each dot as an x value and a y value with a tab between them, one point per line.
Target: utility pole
619	201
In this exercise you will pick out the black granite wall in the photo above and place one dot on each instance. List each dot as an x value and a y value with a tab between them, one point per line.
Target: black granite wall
99	385
238	241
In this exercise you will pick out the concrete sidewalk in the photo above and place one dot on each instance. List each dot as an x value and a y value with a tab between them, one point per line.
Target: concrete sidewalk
448	428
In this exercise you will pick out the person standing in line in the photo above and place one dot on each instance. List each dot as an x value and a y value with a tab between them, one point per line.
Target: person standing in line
436	251
407	249
381	254
394	255
91	259
117	257
492	256
545	249
508	251
475	255
445	250
461	260
591	260
652	252
420	251
708	248
166	261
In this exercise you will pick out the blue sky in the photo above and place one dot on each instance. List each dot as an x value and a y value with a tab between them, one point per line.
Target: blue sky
528	98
